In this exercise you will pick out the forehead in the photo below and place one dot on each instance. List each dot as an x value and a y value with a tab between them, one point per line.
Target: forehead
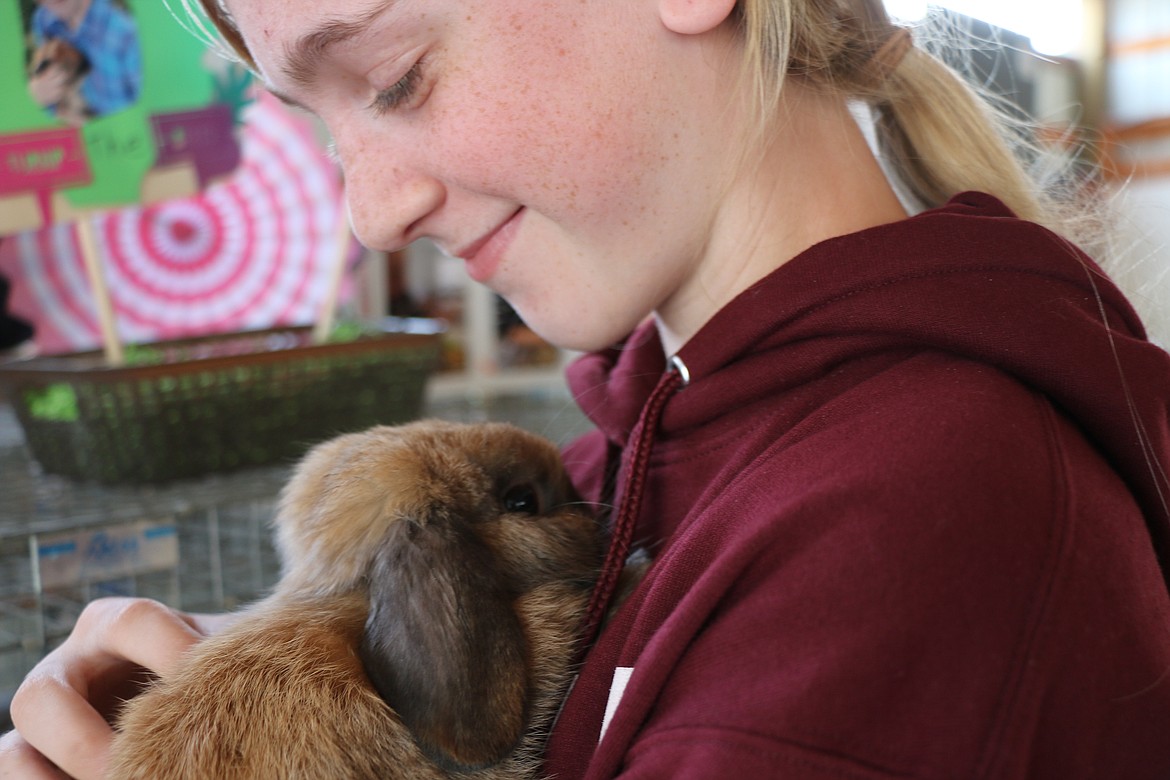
276	33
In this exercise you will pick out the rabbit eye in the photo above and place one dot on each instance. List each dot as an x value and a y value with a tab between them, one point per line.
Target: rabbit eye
522	498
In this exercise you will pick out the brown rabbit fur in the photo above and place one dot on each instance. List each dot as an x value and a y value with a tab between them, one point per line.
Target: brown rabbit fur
435	578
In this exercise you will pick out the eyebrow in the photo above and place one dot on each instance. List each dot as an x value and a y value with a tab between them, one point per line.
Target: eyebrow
304	57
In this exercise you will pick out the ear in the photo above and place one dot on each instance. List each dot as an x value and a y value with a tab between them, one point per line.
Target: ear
443	645
691	17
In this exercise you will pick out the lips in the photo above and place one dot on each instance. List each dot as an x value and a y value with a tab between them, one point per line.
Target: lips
483	256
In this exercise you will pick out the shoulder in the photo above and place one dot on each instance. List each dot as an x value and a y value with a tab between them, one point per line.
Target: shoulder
931	438
893	555
924	502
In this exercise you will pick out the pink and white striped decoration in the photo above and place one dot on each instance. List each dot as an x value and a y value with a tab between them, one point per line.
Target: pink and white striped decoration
252	251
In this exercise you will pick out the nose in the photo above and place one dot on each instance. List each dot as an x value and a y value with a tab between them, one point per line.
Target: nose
389	194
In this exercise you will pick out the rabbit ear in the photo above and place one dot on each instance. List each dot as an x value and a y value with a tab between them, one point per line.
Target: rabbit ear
443	645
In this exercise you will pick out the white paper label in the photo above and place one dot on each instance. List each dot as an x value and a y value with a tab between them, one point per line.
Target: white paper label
621	678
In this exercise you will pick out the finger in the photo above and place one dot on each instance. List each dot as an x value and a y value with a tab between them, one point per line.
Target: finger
68	731
59	708
207	625
19	761
142	632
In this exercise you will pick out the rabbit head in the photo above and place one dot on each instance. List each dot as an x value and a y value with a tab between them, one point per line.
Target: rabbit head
447	527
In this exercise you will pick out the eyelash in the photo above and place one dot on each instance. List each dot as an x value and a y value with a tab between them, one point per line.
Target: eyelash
399	93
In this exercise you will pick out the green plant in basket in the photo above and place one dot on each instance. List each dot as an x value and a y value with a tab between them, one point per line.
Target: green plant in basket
346	331
139	355
55	402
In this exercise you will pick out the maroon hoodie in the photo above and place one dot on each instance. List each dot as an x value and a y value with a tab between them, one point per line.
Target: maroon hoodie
904	497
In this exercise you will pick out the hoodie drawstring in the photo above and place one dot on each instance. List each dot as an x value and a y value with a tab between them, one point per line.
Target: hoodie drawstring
642	440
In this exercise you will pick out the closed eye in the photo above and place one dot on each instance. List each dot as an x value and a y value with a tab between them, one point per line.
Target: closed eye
399	93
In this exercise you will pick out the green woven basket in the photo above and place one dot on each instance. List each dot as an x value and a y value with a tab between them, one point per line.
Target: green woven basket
197	406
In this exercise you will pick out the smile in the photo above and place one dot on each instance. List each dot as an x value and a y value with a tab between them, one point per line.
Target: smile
483	256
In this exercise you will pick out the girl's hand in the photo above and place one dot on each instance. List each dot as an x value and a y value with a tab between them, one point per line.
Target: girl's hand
20	761
48	87
63	709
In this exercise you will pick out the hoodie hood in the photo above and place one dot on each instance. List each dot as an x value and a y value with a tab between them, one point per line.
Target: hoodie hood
969	279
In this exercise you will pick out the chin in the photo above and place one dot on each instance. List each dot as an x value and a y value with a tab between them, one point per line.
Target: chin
579	336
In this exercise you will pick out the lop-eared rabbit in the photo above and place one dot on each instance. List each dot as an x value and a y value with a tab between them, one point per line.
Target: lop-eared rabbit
435	579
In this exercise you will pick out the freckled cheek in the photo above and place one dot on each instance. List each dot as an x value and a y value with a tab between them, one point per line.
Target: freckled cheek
547	129
561	158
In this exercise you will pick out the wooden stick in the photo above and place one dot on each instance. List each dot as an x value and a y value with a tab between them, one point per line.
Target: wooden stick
328	311
101	294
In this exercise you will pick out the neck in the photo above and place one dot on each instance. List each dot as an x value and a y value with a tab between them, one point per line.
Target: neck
816	180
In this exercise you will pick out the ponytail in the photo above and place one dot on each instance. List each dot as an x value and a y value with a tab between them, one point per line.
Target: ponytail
938	135
941	138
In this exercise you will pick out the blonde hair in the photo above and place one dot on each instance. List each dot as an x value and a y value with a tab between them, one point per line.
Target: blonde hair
936	133
939	136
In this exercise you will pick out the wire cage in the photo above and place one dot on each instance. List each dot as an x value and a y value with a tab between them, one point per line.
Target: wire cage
209	559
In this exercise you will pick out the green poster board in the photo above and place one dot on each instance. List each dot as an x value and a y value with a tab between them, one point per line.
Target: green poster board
176	135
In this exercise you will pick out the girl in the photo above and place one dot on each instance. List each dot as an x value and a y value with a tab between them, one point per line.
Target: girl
903	477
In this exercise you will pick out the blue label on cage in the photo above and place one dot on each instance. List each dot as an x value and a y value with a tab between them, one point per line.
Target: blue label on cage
61	548
97	554
111	550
